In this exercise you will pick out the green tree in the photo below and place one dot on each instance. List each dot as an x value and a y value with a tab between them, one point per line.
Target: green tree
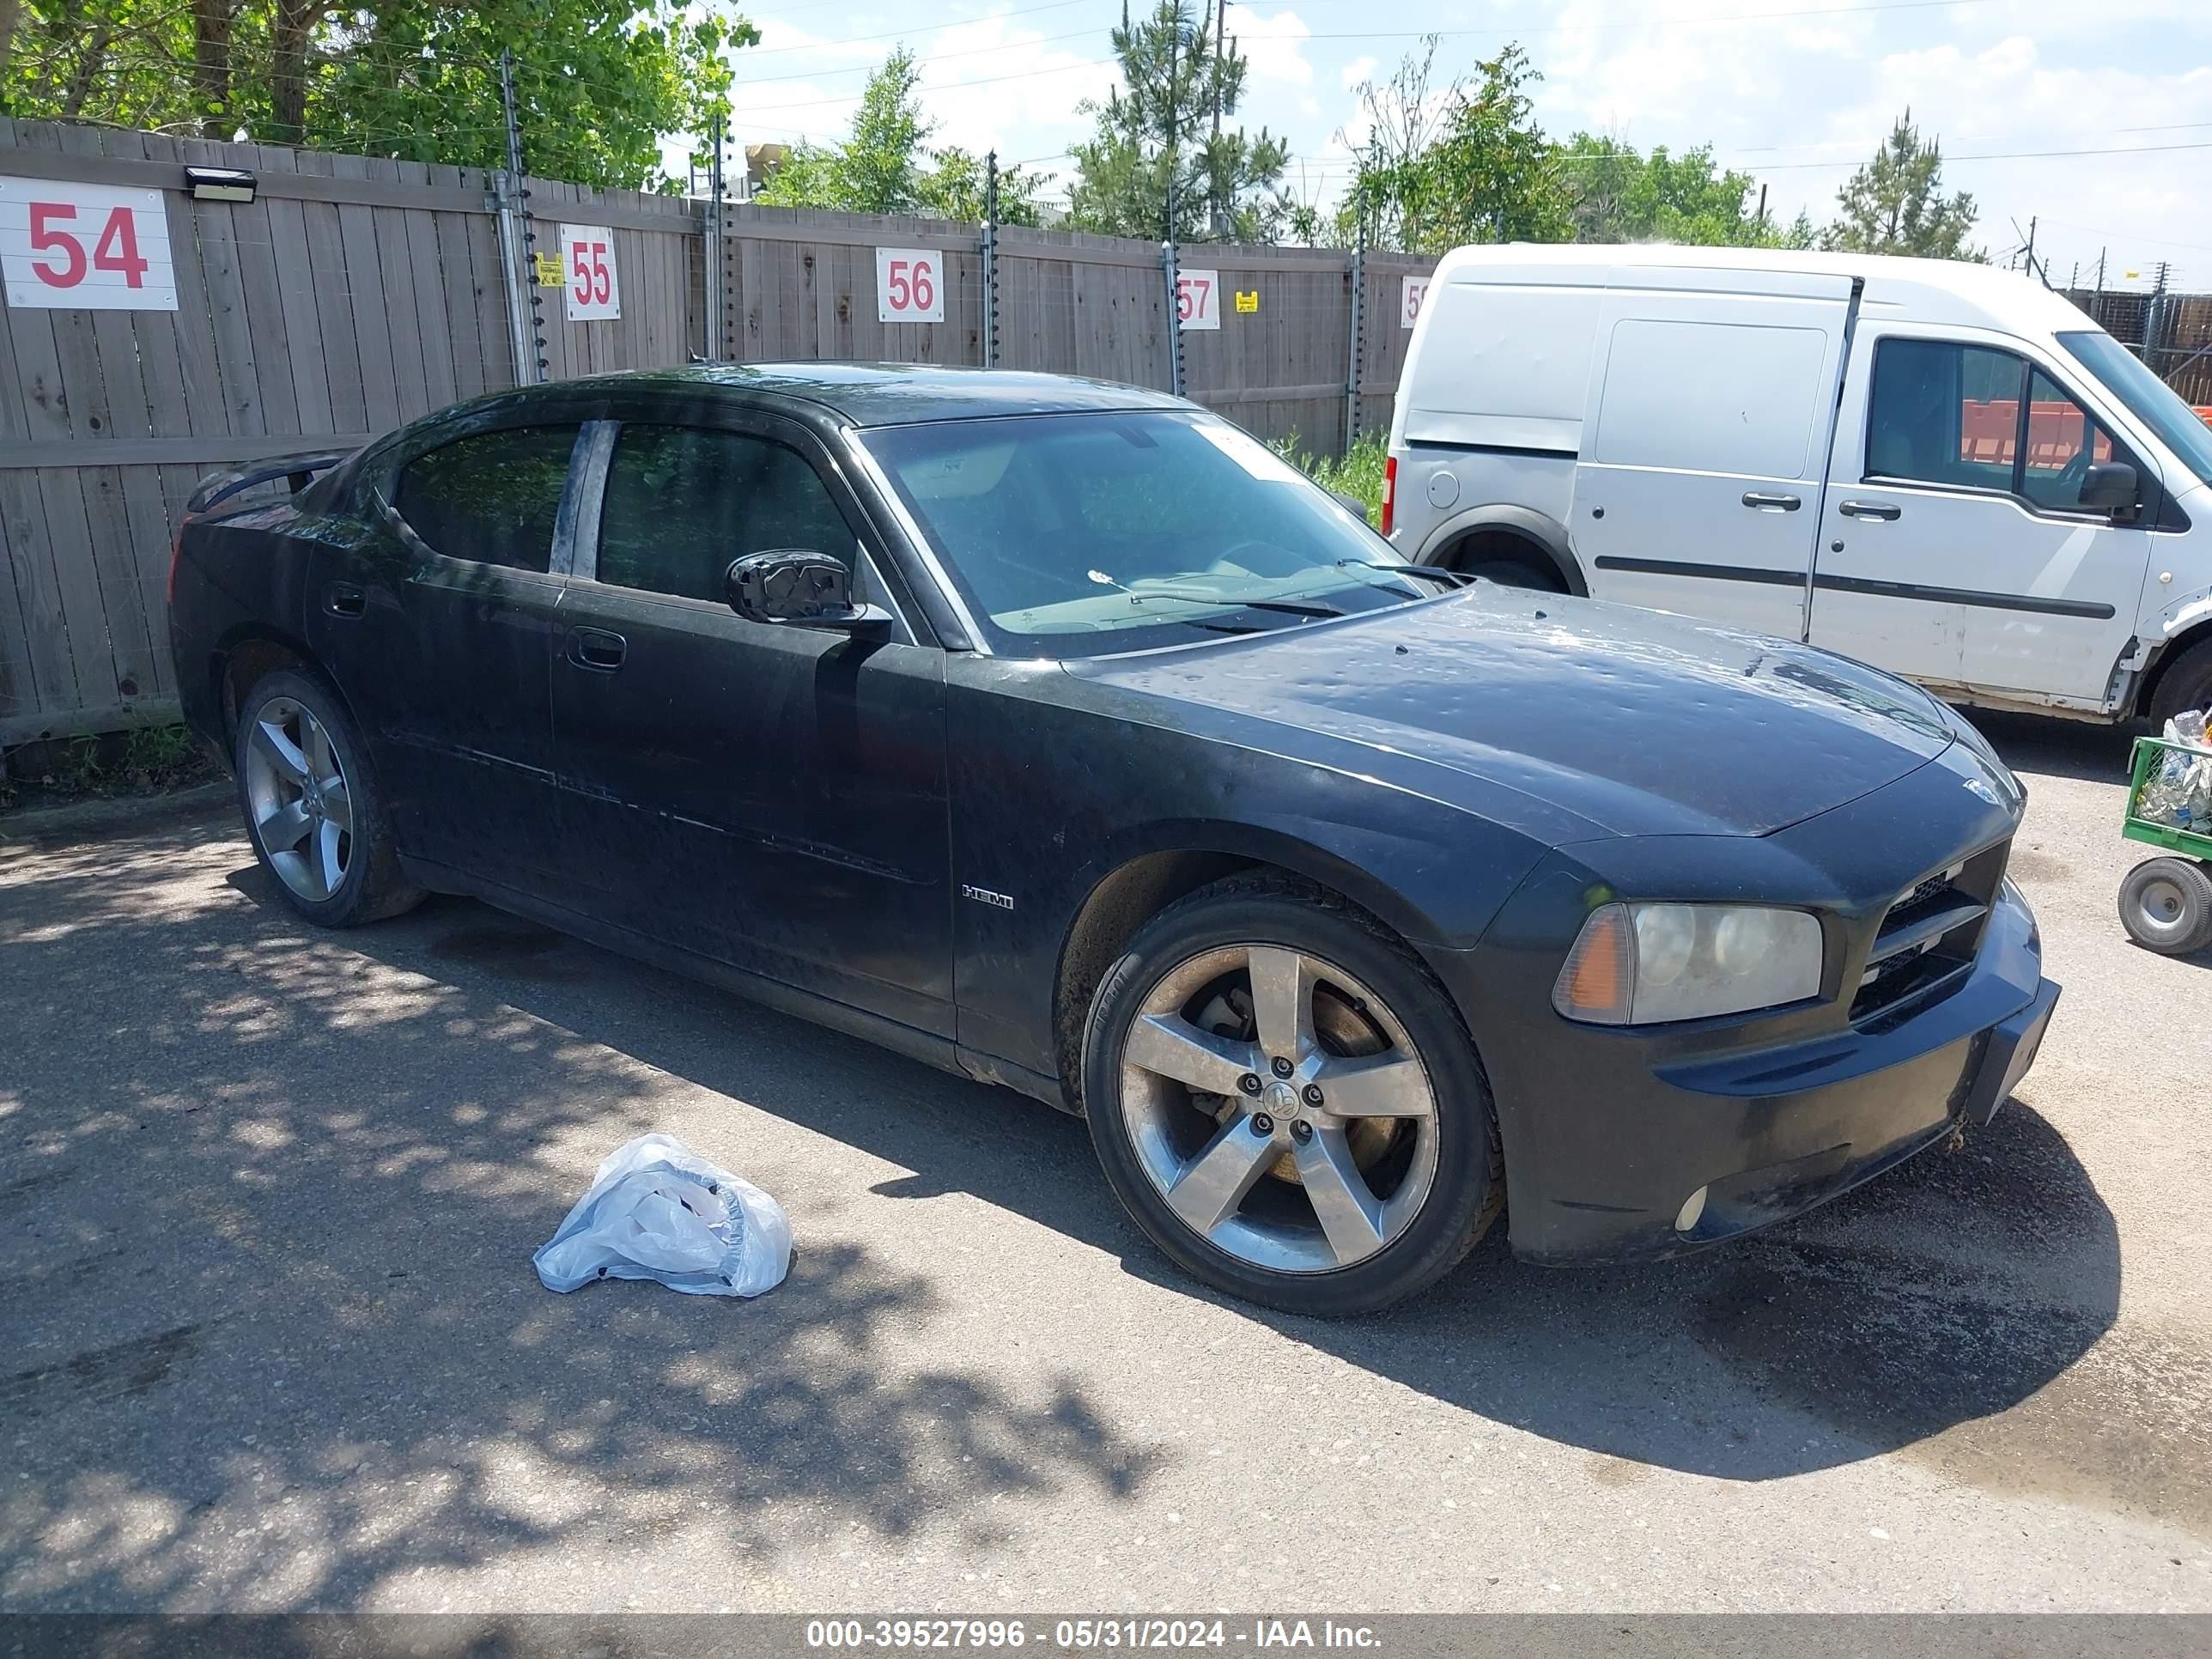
1622	196
1481	171
597	81
887	165
1163	125
1896	204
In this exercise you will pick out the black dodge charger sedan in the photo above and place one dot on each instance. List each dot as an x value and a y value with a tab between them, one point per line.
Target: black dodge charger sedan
1058	734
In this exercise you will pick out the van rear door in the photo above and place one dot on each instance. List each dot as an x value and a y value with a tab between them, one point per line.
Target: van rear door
1698	485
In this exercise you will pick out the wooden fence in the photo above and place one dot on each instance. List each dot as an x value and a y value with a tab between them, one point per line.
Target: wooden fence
352	295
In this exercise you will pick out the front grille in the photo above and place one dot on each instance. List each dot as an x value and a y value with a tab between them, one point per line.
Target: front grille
1928	937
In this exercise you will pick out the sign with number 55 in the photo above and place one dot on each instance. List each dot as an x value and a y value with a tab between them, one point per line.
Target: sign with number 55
88	247
594	291
909	285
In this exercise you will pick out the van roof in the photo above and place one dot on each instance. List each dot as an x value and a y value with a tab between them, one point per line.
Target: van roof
1924	290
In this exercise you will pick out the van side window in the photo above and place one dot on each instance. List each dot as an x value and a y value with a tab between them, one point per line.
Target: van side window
2063	440
1943	413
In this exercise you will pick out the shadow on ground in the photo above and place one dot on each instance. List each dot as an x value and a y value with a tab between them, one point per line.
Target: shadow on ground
273	1190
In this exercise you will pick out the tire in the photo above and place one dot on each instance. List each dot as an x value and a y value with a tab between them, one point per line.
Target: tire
1429	1169
1514	573
302	769
2186	683
2165	905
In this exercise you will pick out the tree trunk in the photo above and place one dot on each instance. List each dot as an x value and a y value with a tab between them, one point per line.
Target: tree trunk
295	26
211	67
11	13
87	65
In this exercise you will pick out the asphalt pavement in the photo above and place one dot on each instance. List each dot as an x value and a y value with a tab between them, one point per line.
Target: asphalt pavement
270	1338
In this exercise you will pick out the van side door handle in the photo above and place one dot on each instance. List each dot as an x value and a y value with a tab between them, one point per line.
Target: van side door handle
1760	498
596	649
1870	510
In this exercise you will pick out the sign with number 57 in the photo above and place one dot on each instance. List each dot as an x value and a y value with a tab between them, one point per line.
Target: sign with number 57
91	247
1198	299
1409	303
592	291
909	285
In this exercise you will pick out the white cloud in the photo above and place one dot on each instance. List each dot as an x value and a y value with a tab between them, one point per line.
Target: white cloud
1359	69
1275	47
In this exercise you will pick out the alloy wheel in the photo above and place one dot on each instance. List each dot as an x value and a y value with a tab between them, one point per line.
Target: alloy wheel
1280	1108
297	796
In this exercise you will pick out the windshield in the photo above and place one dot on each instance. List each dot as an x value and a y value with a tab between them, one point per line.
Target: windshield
2149	398
1077	535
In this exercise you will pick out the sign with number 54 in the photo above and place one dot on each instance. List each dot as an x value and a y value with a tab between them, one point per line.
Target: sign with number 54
909	285
593	292
88	247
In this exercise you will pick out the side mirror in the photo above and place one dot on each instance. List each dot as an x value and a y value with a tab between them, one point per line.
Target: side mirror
2111	487
799	588
1351	502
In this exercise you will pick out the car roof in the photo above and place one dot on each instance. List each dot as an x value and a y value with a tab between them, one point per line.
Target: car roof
894	394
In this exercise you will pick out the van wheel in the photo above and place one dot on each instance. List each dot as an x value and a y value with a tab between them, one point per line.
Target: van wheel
311	808
2186	684
1515	572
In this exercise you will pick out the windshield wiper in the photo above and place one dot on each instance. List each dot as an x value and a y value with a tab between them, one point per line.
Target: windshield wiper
1287	607
1434	573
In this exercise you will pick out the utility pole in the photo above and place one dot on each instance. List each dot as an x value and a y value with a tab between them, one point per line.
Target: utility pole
1213	155
1762	207
517	241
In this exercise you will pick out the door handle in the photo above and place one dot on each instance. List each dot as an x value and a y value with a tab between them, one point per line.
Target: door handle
1759	498
344	599
1870	510
596	648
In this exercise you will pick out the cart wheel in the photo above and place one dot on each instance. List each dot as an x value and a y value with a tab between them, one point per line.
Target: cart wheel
2165	905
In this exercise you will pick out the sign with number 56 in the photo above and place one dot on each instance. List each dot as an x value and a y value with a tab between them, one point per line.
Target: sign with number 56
1409	303
88	247
593	292
909	285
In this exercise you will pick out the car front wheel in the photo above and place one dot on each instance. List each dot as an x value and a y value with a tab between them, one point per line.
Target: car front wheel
318	823
1286	1101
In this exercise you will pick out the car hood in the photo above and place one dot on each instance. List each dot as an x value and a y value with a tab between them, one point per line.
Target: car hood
1639	722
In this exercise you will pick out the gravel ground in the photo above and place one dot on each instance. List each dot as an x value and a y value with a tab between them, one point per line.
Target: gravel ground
270	1339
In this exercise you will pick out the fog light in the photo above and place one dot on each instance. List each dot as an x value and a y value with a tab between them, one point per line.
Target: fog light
1693	1208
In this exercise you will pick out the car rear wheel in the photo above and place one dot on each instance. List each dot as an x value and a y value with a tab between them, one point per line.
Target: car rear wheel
1285	1100
311	806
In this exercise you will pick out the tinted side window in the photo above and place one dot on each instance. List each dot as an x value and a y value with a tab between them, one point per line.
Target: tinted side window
1944	413
2058	431
683	502
492	497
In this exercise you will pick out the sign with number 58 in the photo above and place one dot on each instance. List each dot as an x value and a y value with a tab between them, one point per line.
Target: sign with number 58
909	285
593	292
91	247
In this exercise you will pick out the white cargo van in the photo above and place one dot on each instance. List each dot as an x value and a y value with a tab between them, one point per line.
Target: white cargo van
1941	469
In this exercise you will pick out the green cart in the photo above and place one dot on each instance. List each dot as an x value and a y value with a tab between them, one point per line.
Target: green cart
2166	904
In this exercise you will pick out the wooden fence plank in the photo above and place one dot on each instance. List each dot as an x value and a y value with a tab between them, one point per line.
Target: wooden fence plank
401	292
372	317
323	274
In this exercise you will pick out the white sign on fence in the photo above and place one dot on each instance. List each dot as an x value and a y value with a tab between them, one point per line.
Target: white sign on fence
1410	300
593	290
909	285
1198	299
91	247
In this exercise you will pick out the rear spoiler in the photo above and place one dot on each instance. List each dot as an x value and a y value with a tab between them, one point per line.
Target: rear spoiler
219	487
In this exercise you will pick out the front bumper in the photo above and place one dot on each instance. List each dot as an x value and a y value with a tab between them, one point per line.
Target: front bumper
1656	1153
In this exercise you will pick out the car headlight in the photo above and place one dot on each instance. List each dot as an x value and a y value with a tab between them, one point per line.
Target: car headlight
1638	964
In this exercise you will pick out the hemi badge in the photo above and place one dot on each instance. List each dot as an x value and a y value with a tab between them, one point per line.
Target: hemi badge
985	896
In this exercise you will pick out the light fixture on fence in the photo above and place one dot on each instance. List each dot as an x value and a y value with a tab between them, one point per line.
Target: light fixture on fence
219	184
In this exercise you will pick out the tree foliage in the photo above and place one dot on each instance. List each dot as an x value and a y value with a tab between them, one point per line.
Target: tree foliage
1896	203
1622	196
1159	127
597	81
887	164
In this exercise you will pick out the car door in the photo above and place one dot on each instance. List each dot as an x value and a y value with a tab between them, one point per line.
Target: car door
434	613
1698	488
773	797
1955	548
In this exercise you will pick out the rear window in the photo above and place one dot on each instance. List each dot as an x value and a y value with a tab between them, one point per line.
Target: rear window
492	497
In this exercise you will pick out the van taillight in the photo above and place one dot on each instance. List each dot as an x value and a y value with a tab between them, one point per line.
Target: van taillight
1389	491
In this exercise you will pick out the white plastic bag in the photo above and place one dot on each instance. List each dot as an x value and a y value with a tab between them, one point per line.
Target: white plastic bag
657	1210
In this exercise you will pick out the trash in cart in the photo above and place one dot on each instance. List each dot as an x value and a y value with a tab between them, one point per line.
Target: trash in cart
2177	792
657	1210
2166	904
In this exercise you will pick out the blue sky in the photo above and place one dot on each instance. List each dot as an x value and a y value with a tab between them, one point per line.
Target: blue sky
1795	91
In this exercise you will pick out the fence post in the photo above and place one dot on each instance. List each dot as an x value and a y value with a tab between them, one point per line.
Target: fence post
1174	311
711	254
1351	355
990	251
515	251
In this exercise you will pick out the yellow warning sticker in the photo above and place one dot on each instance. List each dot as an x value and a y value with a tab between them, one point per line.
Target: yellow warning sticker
549	273
1247	303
